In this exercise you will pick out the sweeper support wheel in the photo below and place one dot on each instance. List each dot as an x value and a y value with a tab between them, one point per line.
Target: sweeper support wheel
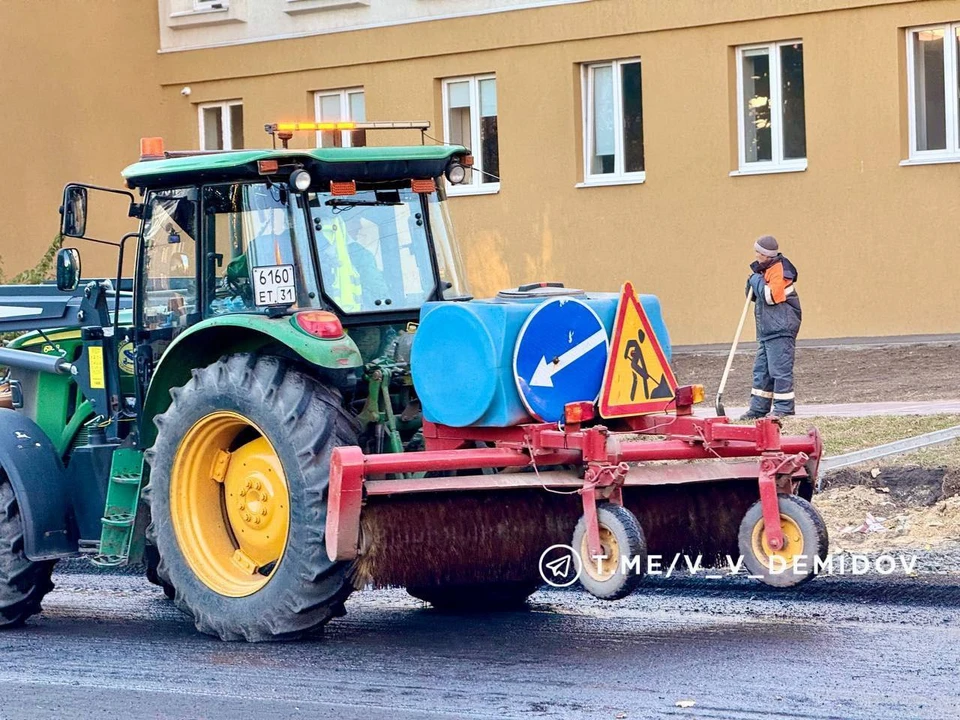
805	543
617	569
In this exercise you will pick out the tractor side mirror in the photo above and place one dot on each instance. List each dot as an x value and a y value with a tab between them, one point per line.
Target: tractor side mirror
68	268
73	221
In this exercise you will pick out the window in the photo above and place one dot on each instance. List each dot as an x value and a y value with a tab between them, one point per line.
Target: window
210	4
470	119
221	126
934	81
771	120
249	227
373	250
169	287
613	122
341	106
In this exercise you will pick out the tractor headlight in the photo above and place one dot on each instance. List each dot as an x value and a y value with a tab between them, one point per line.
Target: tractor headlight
456	174
300	180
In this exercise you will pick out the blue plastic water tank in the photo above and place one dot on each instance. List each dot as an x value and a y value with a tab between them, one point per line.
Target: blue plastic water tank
462	356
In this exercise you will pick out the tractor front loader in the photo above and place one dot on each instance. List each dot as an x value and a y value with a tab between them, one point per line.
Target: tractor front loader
297	398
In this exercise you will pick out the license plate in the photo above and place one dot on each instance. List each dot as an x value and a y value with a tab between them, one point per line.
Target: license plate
274	285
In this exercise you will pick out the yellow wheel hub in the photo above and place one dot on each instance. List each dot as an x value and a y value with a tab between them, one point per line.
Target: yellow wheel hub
230	504
604	568
792	542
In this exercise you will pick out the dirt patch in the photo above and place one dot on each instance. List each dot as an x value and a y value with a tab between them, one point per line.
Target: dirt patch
864	519
839	374
891	508
906	486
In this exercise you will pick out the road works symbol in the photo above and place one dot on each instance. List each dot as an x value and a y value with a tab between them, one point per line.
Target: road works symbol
559	357
637	379
560	566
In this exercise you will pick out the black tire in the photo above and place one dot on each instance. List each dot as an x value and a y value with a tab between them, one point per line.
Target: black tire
812	530
303	420
485	597
630	542
23	583
151	558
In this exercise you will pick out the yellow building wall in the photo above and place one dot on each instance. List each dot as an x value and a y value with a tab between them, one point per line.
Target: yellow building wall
78	87
875	242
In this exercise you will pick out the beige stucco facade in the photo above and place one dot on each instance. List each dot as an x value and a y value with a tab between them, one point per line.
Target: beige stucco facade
78	87
875	241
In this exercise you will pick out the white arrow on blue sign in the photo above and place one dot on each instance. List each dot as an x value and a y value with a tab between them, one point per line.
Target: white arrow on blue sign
559	357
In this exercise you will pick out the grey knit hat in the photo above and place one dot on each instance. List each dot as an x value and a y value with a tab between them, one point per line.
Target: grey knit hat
767	245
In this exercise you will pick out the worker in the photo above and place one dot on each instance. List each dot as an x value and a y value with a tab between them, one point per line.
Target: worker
349	269
777	311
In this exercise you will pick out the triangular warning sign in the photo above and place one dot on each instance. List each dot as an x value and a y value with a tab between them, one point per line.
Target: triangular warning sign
638	379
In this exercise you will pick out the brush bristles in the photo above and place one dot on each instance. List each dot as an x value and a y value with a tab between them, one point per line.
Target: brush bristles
494	537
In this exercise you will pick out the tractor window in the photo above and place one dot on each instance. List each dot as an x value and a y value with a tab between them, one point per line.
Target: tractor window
448	254
373	250
169	284
254	228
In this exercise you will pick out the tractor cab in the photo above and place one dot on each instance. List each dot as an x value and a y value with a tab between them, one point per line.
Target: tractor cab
343	244
362	233
362	249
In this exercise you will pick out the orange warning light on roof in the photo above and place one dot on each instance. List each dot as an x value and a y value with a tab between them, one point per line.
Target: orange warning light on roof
151	148
313	126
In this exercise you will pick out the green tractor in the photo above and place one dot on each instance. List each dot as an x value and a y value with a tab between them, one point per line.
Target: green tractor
296	398
269	285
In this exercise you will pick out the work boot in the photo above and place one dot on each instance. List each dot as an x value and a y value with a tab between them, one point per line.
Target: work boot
751	415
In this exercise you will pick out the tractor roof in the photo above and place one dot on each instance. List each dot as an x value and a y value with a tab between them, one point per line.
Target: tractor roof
361	164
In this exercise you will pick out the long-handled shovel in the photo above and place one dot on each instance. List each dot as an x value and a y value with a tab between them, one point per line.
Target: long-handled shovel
733	350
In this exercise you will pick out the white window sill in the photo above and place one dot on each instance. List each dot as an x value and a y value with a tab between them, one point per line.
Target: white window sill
461	190
295	7
938	160
610	182
206	17
769	170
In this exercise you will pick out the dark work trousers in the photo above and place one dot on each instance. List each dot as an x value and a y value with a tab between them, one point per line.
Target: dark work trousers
773	376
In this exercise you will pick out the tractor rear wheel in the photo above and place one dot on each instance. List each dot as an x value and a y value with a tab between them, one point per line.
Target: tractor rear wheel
805	540
151	558
23	583
237	496
479	597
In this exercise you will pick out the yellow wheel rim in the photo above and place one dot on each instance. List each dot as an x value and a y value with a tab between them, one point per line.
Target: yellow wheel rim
606	567
792	542
229	504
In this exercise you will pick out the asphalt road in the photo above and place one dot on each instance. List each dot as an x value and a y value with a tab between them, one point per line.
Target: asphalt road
110	646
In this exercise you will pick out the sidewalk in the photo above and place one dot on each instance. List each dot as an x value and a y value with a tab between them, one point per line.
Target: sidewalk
931	407
845	343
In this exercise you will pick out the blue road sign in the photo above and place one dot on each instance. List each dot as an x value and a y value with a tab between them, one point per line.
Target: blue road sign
559	357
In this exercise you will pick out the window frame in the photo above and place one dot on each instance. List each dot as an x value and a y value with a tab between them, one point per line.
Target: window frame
951	70
618	176
226	122
778	163
476	186
346	115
